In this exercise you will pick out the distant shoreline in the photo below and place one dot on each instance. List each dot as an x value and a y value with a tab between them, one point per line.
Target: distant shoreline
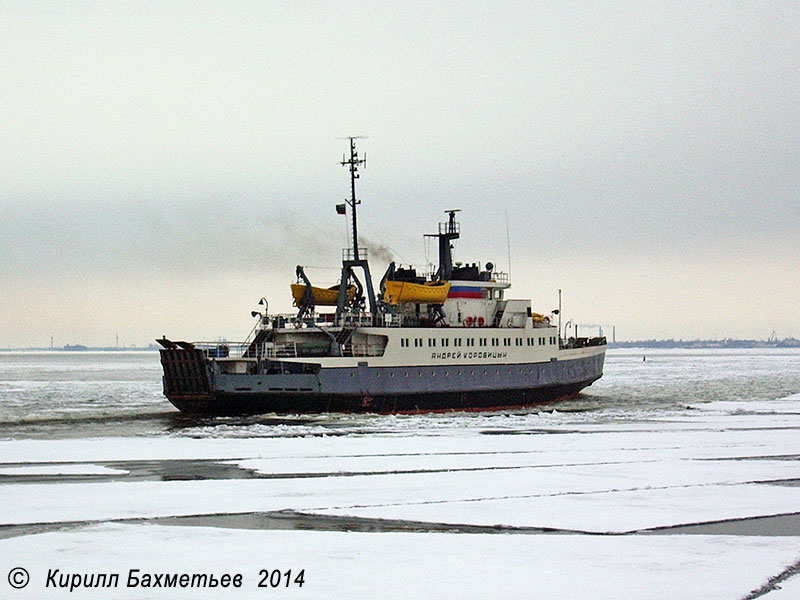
80	348
726	343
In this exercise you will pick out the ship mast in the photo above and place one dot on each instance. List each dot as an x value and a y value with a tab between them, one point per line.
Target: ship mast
447	233
354	259
353	163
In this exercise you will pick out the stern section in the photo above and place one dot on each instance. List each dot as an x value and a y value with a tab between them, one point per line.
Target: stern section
187	379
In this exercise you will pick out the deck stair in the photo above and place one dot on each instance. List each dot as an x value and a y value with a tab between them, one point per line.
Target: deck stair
343	338
344	335
255	348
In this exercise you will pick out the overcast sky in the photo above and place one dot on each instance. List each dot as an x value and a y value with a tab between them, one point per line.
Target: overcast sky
164	165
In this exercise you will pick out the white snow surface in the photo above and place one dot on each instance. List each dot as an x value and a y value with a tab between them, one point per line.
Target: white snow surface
409	565
711	462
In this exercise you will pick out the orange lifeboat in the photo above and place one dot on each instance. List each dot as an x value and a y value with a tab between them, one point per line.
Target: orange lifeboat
431	292
322	296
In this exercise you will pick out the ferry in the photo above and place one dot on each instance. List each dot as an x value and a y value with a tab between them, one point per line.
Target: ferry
447	340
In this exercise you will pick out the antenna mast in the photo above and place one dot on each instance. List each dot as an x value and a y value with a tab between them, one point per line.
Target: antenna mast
353	163
447	232
354	260
508	242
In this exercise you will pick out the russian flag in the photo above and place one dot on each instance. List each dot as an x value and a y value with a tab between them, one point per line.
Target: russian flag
464	291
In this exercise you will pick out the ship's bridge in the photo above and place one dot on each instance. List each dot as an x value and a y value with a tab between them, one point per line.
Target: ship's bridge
477	300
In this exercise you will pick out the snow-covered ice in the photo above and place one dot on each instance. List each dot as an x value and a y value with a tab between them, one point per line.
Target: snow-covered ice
721	461
416	565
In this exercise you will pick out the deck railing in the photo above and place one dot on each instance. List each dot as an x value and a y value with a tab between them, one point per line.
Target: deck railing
285	350
290	321
349	253
366	350
222	349
500	276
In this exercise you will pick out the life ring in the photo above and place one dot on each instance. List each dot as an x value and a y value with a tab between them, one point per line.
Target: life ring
481	321
469	321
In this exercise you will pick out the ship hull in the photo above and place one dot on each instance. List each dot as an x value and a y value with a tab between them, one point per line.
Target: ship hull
365	389
243	403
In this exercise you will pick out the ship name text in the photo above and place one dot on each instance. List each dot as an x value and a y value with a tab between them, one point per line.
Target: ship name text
466	355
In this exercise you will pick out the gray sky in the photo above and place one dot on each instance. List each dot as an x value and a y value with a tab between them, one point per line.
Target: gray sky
165	165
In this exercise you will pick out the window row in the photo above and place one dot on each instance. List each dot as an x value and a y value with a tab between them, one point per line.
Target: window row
459	342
